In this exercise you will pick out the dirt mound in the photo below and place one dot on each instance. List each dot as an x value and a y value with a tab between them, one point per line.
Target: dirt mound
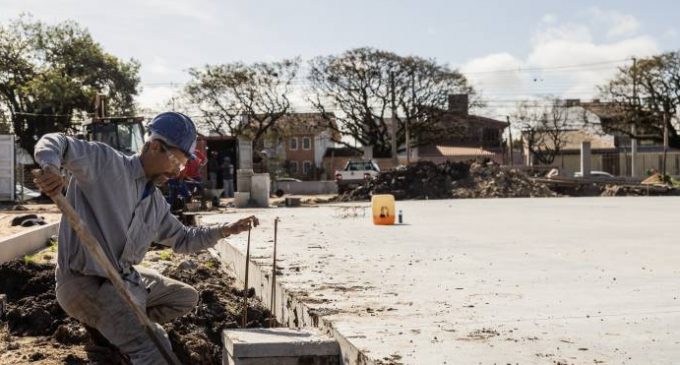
196	337
32	310
427	180
24	278
421	180
489	180
641	190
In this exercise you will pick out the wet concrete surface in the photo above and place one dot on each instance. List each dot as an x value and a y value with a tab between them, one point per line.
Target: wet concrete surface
498	281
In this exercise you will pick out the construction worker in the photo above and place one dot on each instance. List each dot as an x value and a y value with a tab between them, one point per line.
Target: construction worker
117	199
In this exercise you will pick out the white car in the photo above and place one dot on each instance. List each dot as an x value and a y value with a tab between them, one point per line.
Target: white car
281	185
356	173
596	175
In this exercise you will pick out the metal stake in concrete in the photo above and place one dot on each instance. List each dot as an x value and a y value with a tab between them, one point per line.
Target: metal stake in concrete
245	285
272	320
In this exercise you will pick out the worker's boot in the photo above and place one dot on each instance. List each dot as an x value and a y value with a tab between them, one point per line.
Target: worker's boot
101	351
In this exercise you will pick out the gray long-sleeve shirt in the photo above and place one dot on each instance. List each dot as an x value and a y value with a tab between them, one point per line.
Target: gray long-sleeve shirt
106	190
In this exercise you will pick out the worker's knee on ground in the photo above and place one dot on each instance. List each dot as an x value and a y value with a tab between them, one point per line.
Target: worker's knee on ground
141	349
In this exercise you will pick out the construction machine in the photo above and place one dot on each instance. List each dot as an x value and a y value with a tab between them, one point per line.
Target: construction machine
125	134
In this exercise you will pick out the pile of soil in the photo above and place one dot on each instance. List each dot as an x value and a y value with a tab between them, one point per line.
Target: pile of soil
642	190
421	180
427	180
489	180
36	330
32	308
196	337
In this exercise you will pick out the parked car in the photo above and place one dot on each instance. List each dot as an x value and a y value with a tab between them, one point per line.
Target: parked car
596	175
280	185
355	174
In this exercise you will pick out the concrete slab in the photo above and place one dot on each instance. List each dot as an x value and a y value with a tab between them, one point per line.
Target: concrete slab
22	243
528	281
277	342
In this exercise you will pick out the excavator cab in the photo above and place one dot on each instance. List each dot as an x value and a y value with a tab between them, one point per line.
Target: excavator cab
122	133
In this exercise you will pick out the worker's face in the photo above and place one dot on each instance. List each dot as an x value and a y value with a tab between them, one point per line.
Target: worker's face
168	162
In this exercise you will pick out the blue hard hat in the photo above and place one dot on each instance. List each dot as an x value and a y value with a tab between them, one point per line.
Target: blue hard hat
175	129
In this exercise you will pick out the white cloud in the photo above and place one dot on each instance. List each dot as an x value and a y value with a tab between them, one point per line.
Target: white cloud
555	45
156	98
159	67
567	31
494	71
618	24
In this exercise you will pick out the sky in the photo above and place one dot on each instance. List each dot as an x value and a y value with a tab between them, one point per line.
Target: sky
508	50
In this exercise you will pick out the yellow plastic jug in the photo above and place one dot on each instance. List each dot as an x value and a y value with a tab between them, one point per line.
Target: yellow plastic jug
383	209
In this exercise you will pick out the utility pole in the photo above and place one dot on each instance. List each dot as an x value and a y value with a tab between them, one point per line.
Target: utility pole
665	146
415	111
512	155
395	158
100	106
633	140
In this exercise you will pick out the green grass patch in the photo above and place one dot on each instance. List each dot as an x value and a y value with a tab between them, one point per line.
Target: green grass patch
165	255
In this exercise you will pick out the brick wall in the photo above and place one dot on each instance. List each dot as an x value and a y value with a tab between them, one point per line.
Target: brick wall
299	150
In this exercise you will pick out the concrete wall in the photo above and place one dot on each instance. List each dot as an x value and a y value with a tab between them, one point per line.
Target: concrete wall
645	161
7	167
24	243
307	187
568	164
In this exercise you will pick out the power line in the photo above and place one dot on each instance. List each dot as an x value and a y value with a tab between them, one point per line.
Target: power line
520	69
302	80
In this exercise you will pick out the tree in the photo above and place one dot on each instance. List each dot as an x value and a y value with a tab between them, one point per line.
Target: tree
51	73
644	94
360	84
544	125
243	100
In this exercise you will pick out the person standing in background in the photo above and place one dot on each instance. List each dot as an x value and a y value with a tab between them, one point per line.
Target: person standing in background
213	169
228	177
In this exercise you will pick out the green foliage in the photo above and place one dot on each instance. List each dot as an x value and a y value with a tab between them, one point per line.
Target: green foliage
50	74
645	94
31	259
165	255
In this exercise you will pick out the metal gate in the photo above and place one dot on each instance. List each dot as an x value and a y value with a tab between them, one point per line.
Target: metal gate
7	184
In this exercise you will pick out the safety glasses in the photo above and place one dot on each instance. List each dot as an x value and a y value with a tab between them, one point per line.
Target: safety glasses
167	150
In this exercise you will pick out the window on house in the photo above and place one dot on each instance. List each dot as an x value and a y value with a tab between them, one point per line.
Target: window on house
293	143
306	143
293	167
490	137
307	167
